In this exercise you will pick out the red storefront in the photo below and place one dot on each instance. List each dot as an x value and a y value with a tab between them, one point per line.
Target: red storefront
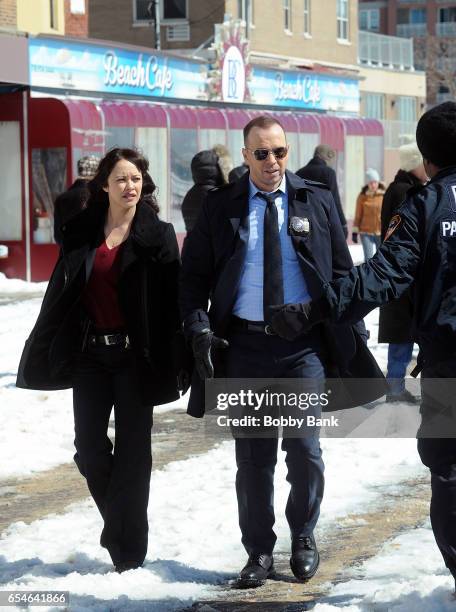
47	131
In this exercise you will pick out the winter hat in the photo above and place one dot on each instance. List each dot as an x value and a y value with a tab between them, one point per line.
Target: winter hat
325	152
88	166
372	175
436	135
409	157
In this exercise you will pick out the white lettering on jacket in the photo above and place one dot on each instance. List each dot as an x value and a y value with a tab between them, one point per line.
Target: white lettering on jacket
448	229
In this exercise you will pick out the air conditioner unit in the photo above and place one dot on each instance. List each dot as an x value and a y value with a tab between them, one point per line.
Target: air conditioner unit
178	32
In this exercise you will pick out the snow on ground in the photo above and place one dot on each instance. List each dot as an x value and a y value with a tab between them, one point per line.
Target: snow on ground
407	574
194	538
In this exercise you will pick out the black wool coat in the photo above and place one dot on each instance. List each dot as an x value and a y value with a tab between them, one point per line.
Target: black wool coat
318	170
148	287
396	317
212	264
206	175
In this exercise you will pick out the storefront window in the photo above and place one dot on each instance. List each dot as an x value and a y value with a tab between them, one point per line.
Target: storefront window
153	141
10	163
184	145
49	169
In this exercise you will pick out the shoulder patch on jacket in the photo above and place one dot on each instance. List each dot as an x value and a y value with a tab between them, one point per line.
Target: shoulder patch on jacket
392	226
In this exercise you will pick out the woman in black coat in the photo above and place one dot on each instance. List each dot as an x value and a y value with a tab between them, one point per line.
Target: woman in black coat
106	328
395	322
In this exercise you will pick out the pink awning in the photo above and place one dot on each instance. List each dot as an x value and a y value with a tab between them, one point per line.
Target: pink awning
183	117
372	127
307	123
129	114
289	121
331	131
86	125
210	119
238	118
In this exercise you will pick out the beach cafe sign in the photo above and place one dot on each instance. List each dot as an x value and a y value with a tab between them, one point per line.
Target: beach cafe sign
230	78
90	67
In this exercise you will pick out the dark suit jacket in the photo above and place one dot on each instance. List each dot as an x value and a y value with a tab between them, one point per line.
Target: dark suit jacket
318	170
213	259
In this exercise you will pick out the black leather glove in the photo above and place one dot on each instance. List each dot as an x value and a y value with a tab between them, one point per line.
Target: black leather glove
291	320
203	342
355	237
345	230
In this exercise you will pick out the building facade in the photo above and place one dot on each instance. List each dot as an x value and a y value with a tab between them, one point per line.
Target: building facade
55	17
432	25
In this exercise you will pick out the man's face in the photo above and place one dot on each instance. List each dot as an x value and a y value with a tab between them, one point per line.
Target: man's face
267	174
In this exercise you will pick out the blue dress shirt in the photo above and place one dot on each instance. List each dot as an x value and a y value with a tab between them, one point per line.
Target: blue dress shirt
249	300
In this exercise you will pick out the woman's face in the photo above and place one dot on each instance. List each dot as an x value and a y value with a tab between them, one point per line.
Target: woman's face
124	185
373	185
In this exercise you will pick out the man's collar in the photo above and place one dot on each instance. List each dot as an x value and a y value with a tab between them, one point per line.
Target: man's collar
253	189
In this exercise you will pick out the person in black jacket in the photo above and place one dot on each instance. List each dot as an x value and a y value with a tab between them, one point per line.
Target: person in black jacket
71	202
106	328
210	169
395	323
419	250
318	169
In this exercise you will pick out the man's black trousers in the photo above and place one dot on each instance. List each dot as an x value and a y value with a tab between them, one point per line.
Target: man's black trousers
119	479
438	453
257	355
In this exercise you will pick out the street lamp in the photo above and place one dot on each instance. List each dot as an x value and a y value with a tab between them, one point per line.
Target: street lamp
153	10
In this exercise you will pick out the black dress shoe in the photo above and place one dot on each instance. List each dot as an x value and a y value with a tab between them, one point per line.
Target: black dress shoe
124	566
304	560
257	569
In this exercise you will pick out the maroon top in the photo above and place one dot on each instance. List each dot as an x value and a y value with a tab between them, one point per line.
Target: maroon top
100	296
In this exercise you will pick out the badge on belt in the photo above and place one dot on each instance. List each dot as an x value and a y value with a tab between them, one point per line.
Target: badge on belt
299	226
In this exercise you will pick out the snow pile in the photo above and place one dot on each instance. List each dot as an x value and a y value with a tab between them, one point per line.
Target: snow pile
408	574
14	287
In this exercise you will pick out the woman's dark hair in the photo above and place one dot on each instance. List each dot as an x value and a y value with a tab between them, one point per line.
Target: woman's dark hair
100	180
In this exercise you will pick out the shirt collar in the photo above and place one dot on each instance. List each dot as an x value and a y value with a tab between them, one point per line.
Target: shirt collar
253	189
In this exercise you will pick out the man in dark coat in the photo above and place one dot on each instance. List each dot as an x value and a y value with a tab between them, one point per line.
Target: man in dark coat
208	172
71	202
318	169
395	324
268	233
419	250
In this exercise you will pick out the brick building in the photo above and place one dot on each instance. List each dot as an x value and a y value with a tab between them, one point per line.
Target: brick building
432	25
76	18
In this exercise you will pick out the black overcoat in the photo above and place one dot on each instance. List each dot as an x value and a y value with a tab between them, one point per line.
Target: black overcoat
318	170
148	286
212	263
396	317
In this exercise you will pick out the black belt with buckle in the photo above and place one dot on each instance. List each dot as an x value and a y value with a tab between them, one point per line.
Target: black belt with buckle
109	340
239	324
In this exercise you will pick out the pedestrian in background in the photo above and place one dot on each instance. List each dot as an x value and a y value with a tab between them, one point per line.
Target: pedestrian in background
106	328
319	169
71	202
367	221
396	317
210	169
237	172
